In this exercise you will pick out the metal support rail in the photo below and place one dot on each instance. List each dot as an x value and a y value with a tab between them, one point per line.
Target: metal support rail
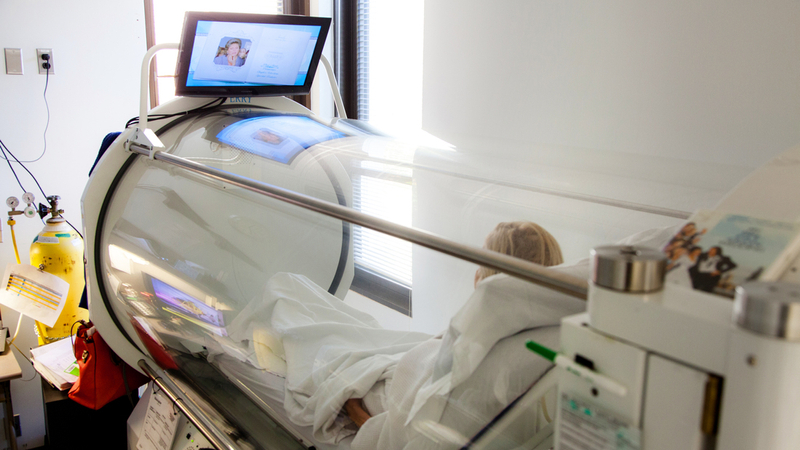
217	438
525	270
622	204
632	206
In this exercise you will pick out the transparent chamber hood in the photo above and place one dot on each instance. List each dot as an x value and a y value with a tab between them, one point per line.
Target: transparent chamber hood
273	265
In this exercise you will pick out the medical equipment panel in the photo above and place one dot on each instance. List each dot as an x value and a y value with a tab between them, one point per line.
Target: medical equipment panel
710	372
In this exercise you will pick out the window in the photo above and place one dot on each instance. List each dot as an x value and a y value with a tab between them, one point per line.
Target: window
379	61
383	263
379	69
387	97
164	22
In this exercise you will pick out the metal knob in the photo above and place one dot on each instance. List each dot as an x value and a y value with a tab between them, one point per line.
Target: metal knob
769	308
628	268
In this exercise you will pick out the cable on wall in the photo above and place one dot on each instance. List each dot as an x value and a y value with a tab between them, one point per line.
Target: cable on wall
2	147
46	105
46	65
3	150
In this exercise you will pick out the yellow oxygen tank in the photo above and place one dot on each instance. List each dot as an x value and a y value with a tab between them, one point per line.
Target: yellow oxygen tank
58	250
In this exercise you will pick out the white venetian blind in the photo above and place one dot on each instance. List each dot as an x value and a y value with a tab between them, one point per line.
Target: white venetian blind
386	196
362	62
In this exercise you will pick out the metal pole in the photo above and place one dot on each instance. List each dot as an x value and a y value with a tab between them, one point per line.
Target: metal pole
145	81
337	97
217	438
525	270
667	212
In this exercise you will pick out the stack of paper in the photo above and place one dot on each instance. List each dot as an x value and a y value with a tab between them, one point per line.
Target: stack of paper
56	363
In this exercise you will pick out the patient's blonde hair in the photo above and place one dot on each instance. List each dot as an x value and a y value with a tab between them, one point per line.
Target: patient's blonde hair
524	240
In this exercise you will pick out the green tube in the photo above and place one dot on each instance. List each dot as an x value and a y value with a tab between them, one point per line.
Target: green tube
541	350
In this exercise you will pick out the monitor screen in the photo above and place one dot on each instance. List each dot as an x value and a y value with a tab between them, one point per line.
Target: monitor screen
244	55
183	305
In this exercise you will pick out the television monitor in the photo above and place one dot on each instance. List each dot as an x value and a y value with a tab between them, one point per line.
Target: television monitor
246	55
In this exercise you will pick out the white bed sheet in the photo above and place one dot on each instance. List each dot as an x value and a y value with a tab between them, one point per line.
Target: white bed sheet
335	352
506	373
455	381
270	390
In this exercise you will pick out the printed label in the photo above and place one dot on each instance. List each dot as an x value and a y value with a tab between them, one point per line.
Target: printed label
160	424
585	426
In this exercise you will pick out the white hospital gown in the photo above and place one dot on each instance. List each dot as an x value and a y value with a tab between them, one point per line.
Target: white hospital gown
480	366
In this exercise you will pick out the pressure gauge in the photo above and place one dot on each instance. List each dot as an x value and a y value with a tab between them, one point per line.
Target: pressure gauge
28	198
12	202
30	212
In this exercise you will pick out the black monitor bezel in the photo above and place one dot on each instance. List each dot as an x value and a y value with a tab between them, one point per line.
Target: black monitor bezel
187	42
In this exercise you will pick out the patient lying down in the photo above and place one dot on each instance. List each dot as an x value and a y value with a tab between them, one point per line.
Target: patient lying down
391	383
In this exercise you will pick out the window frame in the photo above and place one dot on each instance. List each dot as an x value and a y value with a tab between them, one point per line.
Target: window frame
383	290
345	64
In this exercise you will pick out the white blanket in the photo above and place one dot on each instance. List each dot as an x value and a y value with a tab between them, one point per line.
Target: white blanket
477	369
408	380
333	352
481	365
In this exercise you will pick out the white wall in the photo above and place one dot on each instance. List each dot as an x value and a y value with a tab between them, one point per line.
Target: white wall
97	51
663	102
395	60
704	80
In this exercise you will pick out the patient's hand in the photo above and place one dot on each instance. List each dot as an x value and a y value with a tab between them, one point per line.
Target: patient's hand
355	410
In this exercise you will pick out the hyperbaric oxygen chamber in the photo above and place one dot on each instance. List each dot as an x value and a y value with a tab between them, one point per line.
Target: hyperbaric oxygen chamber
224	238
178	259
183	242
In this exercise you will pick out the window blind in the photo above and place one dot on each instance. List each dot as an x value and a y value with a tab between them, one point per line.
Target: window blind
382	254
362	59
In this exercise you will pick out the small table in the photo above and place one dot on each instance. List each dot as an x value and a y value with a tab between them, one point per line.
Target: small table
9	370
62	416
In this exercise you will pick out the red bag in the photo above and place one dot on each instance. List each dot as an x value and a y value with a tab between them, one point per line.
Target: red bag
103	376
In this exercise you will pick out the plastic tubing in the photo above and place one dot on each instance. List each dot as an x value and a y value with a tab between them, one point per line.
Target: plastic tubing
11	223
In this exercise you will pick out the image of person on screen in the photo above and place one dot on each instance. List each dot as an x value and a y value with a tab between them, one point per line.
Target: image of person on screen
231	55
268	136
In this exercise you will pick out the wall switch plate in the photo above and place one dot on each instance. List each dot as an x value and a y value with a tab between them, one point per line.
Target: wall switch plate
14	61
40	62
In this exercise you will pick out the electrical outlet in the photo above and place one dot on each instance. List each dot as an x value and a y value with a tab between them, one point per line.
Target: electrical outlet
40	61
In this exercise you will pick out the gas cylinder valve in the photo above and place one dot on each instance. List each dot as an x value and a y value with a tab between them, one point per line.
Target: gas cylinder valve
52	209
